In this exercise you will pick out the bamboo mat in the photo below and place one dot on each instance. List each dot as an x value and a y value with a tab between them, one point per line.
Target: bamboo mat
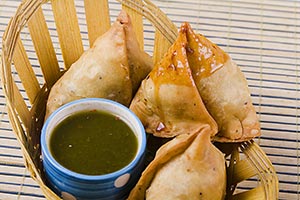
262	36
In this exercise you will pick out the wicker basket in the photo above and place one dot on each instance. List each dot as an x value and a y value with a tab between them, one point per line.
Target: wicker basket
27	109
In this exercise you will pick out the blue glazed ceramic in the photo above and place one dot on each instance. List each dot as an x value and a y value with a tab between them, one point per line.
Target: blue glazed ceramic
72	185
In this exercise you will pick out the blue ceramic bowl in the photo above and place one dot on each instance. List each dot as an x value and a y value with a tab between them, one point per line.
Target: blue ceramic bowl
72	185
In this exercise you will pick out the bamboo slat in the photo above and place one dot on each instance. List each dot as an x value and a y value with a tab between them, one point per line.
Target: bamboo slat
161	45
253	194
97	18
243	171
20	106
25	71
44	47
68	30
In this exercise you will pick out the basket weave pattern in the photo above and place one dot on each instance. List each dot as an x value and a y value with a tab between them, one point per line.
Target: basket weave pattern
245	160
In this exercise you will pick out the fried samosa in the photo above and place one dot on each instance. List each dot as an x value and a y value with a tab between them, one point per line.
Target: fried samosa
140	63
187	167
223	88
168	102
113	68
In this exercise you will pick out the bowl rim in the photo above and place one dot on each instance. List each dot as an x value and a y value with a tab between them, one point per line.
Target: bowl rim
85	177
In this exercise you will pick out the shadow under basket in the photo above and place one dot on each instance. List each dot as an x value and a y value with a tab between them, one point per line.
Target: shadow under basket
26	84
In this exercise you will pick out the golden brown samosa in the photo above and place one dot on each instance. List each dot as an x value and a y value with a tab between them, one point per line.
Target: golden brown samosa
168	102
187	167
223	88
113	68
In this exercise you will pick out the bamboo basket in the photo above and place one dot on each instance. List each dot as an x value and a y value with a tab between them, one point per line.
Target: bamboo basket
245	160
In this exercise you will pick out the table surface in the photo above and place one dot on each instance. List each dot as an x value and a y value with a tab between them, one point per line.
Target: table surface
262	36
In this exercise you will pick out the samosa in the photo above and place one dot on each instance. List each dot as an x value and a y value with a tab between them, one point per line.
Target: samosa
112	68
223	88
187	167
168	102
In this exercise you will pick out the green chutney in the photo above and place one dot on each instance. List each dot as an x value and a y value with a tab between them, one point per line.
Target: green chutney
93	143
